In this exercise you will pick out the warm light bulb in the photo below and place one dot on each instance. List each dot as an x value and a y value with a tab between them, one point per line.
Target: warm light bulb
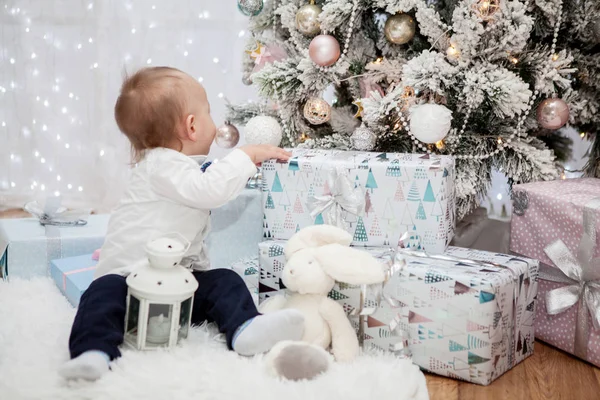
514	60
440	145
582	134
499	140
452	52
554	57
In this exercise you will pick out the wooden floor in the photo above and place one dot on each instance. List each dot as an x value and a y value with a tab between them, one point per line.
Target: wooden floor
547	375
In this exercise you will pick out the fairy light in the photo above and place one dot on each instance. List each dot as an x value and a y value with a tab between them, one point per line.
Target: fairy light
514	60
554	57
440	145
582	135
55	108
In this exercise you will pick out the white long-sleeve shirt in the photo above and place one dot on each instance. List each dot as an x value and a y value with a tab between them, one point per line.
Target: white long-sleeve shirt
168	193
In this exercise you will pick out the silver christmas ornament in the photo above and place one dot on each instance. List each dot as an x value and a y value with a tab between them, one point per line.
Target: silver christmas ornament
553	113
263	130
363	139
250	8
400	28
307	19
247	80
317	111
227	136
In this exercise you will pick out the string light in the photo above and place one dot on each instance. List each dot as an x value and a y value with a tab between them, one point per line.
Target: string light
53	115
554	57
582	135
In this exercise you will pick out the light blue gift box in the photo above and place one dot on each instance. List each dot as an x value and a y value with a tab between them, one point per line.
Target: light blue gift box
73	275
237	229
27	247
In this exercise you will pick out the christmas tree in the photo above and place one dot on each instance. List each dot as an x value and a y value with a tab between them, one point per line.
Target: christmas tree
360	235
276	188
371	184
487	81
269	203
394	169
298	209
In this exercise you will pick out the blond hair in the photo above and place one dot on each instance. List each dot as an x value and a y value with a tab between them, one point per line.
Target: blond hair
151	109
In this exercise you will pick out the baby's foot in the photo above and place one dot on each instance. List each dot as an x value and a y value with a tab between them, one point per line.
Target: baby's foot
90	366
260	334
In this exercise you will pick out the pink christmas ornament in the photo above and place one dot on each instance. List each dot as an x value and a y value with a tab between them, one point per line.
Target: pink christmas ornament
268	55
553	113
367	86
324	50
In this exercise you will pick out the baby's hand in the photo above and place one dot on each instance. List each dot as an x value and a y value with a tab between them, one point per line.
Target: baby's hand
263	152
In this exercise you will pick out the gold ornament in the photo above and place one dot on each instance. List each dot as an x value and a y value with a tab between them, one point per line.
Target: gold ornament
257	52
303	138
408	97
400	28
359	112
440	145
486	9
307	19
317	111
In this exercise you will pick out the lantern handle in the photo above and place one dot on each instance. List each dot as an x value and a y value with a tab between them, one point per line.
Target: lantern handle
177	235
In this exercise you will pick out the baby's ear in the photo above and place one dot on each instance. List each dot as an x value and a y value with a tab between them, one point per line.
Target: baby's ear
316	236
348	265
191	133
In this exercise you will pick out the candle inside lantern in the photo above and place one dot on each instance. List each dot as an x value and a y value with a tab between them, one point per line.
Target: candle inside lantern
158	329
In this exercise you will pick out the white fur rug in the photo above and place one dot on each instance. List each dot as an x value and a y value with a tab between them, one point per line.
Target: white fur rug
35	321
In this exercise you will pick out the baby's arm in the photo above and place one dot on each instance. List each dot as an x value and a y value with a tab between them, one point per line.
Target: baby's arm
221	183
187	184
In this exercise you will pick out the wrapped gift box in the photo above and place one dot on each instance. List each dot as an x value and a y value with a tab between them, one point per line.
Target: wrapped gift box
26	247
466	314
248	270
73	275
236	229
378	197
558	223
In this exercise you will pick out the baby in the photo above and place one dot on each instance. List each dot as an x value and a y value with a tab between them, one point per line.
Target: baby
166	116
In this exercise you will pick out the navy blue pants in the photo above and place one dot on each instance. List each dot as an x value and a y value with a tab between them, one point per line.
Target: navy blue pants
222	297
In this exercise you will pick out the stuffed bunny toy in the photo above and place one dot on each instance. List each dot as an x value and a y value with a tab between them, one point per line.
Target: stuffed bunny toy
317	257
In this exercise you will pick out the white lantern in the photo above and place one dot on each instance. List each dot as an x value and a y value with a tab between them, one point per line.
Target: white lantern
160	296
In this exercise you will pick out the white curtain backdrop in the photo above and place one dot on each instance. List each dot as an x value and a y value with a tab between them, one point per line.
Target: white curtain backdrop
61	65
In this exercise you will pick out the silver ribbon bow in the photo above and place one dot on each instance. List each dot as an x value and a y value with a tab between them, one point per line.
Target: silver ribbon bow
344	198
53	214
51	217
581	272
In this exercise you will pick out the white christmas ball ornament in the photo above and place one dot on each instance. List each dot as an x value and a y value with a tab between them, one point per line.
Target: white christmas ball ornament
263	130
430	123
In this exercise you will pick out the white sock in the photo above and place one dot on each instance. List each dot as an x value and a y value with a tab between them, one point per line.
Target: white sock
260	334
90	366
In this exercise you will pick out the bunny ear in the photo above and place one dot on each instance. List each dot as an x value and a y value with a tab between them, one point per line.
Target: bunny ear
315	236
348	265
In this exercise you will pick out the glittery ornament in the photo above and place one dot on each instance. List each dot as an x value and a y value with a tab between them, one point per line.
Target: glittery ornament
324	50
317	111
596	30
250	8
400	28
307	19
263	130
363	139
430	123
553	113
227	136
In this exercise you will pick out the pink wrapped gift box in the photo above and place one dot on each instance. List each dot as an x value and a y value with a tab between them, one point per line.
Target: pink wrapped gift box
558	223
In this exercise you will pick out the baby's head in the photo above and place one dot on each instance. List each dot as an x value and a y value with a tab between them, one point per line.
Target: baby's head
164	107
